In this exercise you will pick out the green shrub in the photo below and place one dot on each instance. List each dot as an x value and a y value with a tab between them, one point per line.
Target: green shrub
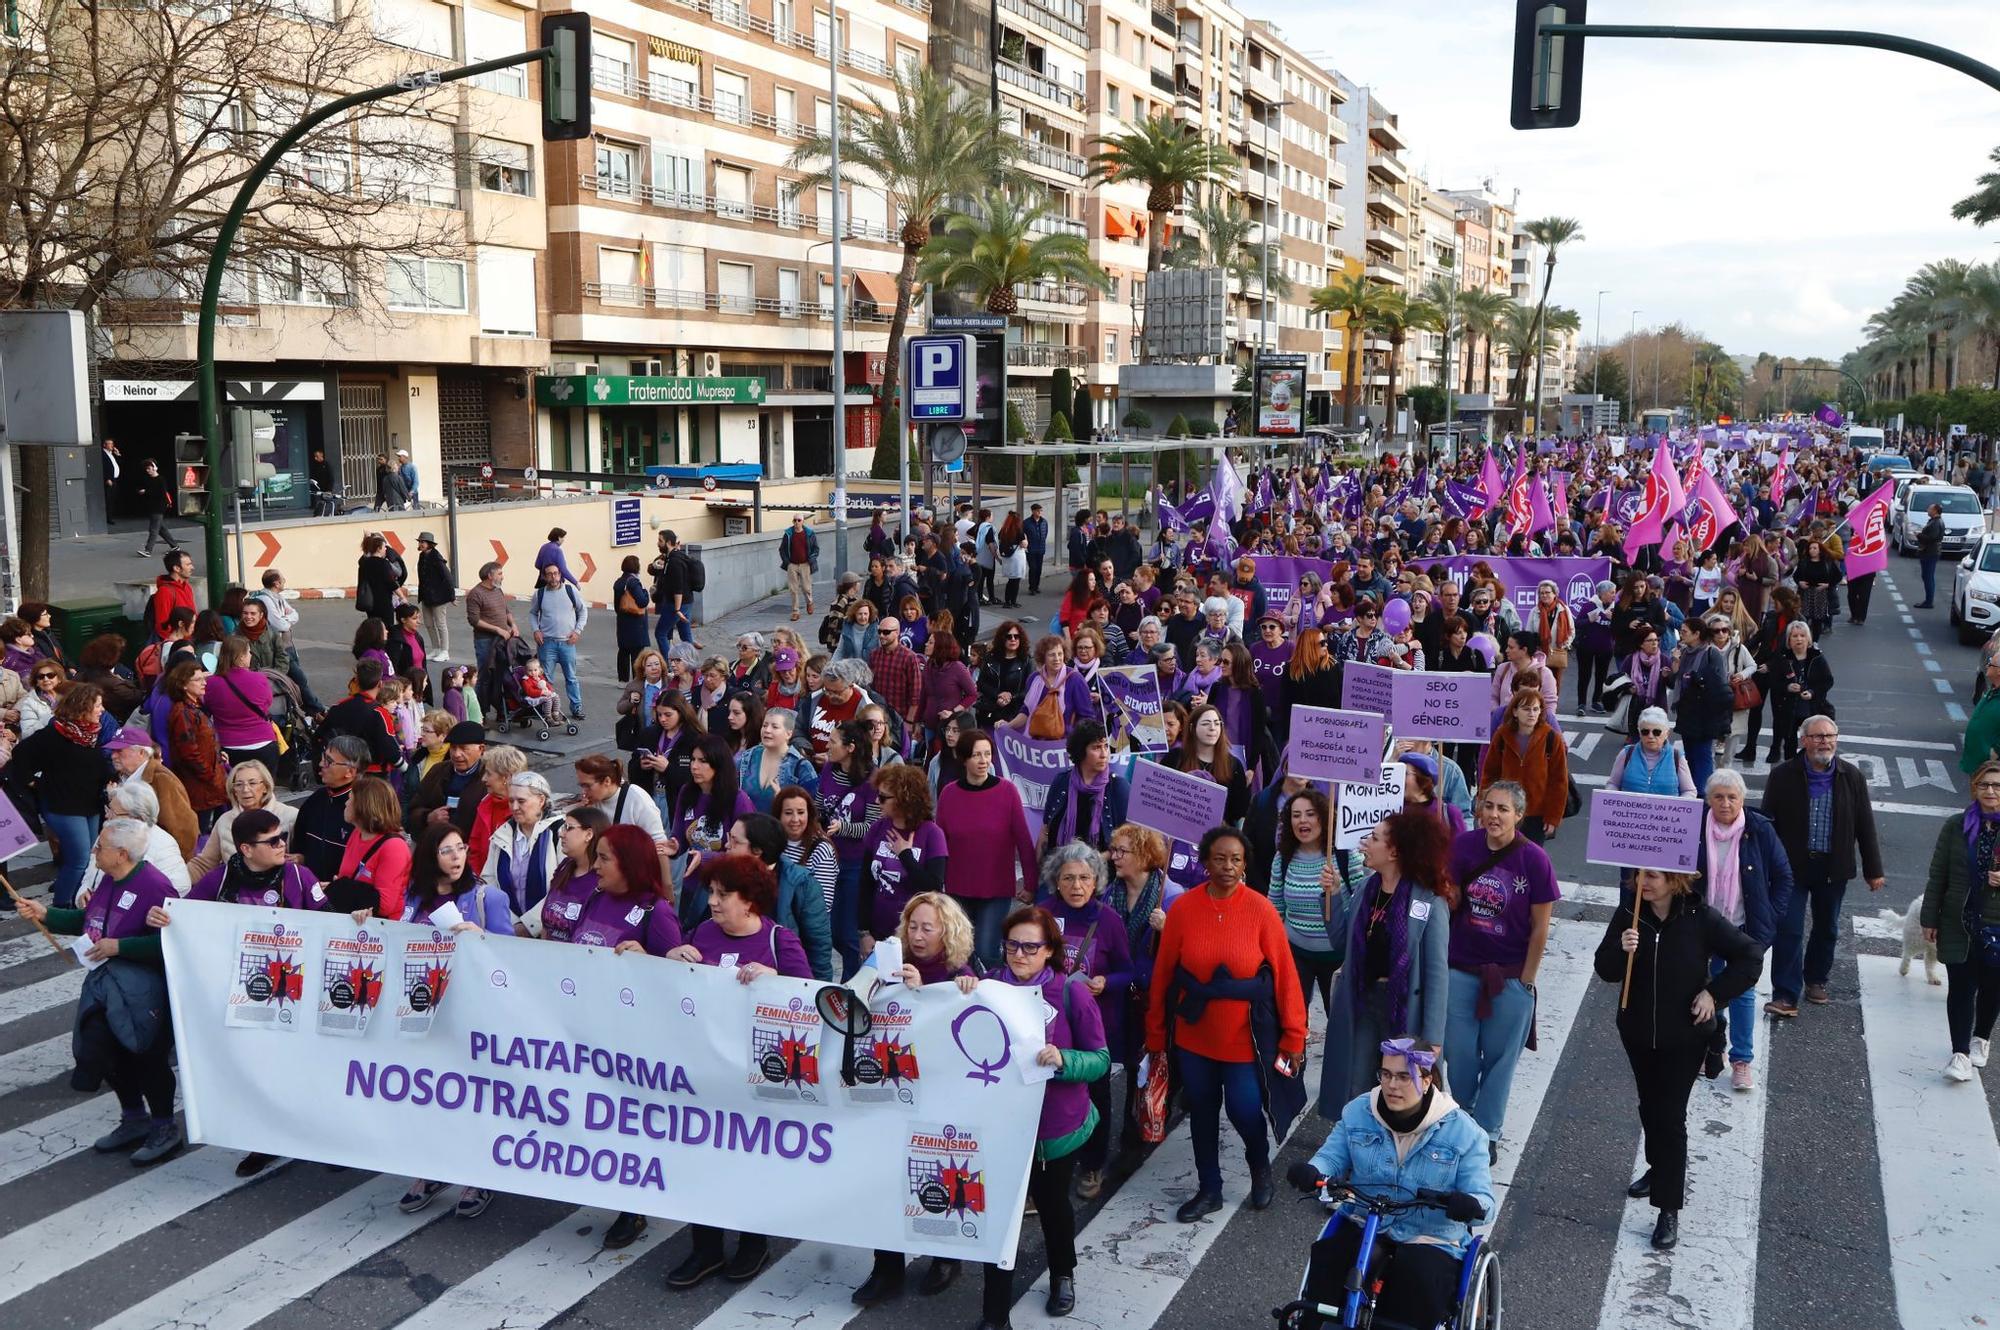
1178	429
1017	428
1201	427
1137	419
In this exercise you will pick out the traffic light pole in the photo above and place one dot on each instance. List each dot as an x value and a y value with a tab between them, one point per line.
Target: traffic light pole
213	547
1881	41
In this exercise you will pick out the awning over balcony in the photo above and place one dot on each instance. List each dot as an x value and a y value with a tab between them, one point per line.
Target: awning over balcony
877	287
1123	223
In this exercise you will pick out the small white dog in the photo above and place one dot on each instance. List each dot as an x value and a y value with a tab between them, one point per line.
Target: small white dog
1913	940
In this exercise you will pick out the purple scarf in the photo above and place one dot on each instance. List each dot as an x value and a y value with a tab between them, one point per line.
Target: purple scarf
1066	829
1976	821
1819	782
1398	921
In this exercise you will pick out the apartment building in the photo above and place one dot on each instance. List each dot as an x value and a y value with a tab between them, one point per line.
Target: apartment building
1378	232
1435	265
691	293
429	352
1486	231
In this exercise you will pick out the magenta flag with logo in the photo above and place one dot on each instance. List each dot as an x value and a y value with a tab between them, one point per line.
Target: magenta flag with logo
1490	484
1781	476
1540	516
1868	520
1713	515
1662	502
1518	511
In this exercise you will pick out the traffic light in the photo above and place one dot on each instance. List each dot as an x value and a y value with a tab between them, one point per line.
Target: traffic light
253	438
190	478
566	77
1778	372
1548	71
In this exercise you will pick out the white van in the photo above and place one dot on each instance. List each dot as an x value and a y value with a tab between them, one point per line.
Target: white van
1867	439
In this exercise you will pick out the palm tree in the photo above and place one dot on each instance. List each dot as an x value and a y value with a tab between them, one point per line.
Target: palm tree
1975	308
1400	316
1551	233
1441	293
1932	290
1169	159
992	252
1479	312
1514	330
1983	204
932	142
1218	236
1356	299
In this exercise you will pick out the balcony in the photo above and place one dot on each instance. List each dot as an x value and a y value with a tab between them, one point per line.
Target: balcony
1054	159
715	302
1385	165
1387	237
1052	302
736	14
1336	171
1336	217
1388	202
1047	88
1049	224
787	218
1258	184
1164	19
1260	84
1066	28
1336	129
1387	134
1163	80
1383	272
1034	355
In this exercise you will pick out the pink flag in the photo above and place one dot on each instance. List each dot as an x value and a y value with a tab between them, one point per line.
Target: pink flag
1661	504
1540	517
1562	492
1781	476
1868	521
1712	515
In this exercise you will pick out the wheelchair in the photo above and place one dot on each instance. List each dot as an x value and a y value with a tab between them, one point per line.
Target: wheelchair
1479	1293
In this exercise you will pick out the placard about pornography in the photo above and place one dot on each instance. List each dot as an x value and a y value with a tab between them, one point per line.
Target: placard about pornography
1176	804
625	1082
1335	745
1032	764
1365	687
1447	708
1660	831
1358	808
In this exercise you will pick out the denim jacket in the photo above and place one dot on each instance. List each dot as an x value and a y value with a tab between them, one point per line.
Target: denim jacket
1447	1153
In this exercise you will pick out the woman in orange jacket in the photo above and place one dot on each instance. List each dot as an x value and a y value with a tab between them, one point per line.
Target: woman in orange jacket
1527	749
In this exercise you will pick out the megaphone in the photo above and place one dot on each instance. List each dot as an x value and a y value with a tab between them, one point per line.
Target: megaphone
844	1008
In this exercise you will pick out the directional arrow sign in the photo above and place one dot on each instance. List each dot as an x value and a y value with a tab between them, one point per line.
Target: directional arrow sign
395	541
499	552
271	548
589	566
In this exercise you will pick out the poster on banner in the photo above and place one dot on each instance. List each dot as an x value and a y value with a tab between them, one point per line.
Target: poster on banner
618	1081
1365	687
1448	708
1358	808
269	979
15	833
946	1181
1174	803
1660	831
784	1049
1334	745
426	972
885	1066
1032	764
1133	714
350	981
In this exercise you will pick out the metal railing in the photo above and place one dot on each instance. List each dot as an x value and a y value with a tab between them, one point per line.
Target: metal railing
1049	224
666	297
1052	293
1029	81
1046	357
735	14
1063	27
1056	159
787	216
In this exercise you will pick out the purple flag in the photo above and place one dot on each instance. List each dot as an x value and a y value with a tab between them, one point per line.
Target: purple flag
1829	415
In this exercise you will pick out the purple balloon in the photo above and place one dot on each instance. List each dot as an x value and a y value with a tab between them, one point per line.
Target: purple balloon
1395	617
1486	646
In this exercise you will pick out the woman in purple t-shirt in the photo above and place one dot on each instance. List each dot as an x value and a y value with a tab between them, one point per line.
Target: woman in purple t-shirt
1507	892
904	852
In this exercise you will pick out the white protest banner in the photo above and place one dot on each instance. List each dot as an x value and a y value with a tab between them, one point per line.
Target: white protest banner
1334	745
1359	807
1032	764
631	1083
1365	687
1660	831
1448	708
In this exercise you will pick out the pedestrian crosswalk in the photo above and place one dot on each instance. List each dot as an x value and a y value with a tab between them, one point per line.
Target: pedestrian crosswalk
87	1239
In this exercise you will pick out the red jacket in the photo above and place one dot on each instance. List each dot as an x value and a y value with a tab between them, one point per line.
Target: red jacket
169	593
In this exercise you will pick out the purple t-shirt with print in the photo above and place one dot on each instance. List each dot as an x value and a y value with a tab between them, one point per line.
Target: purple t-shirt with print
1496	915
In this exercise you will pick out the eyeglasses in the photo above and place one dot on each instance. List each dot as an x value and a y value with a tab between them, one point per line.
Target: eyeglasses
275	838
1989	786
1024	948
1655	732
1387	1077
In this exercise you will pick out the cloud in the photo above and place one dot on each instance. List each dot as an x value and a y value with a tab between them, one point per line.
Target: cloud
1771	195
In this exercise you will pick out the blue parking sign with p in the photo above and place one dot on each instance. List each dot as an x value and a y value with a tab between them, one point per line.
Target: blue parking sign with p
940	374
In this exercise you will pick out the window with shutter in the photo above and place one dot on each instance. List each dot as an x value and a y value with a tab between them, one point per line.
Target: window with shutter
506	292
488	36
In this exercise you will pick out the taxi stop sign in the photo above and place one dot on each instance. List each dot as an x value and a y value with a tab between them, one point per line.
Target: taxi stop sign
941	374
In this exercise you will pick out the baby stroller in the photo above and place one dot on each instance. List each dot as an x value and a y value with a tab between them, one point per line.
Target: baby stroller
296	765
517	708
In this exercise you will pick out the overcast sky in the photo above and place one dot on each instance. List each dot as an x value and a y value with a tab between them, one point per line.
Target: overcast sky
1769	196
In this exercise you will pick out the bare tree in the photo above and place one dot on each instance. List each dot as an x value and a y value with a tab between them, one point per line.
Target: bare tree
126	129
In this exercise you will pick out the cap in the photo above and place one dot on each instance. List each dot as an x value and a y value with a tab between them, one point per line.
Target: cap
466	732
132	736
785	659
426	538
402	452
1277	619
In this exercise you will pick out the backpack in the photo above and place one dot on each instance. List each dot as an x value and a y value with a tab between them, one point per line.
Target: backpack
697	575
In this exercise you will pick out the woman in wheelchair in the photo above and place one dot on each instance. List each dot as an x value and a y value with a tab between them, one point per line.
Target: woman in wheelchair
1404	1137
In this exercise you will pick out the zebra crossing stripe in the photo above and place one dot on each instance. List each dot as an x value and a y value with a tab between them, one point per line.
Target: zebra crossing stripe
50	1248
1711	1278
29	947
20	1003
286	1264
812	1285
34	1146
35	1064
540	1280
1940	1158
1567	968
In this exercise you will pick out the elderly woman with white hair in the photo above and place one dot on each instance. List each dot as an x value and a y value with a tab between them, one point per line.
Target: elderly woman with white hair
1742	872
141	805
526	849
1653	765
750	672
250	786
119	925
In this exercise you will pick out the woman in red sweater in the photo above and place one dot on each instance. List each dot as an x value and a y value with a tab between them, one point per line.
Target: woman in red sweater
981	814
1226	994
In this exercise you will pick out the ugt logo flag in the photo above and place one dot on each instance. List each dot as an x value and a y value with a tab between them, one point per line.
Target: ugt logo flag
1868	551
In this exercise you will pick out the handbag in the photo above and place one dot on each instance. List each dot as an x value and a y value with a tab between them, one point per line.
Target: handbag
1745	695
1558	658
1989	946
1153	1089
1047	720
627	602
277	735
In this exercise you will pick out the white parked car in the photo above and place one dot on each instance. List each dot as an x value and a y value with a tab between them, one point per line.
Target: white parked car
1964	519
1975	592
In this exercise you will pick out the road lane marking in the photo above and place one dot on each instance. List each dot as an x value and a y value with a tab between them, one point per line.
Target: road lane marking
1941	1183
18	1003
1846	739
1591	780
1930	663
1943	685
36	1063
34	1146
1923	648
1568	965
1954	713
540	1280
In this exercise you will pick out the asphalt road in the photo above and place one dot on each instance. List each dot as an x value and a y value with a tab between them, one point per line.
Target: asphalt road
1853	1189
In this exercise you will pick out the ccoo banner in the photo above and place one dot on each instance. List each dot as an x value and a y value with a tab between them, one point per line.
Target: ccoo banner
628	1082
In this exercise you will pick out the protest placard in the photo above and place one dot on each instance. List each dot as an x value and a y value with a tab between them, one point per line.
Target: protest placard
1447	708
1357	808
1644	831
1032	764
1175	803
1335	745
1365	687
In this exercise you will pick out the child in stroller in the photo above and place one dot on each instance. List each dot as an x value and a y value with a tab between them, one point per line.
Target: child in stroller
531	697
